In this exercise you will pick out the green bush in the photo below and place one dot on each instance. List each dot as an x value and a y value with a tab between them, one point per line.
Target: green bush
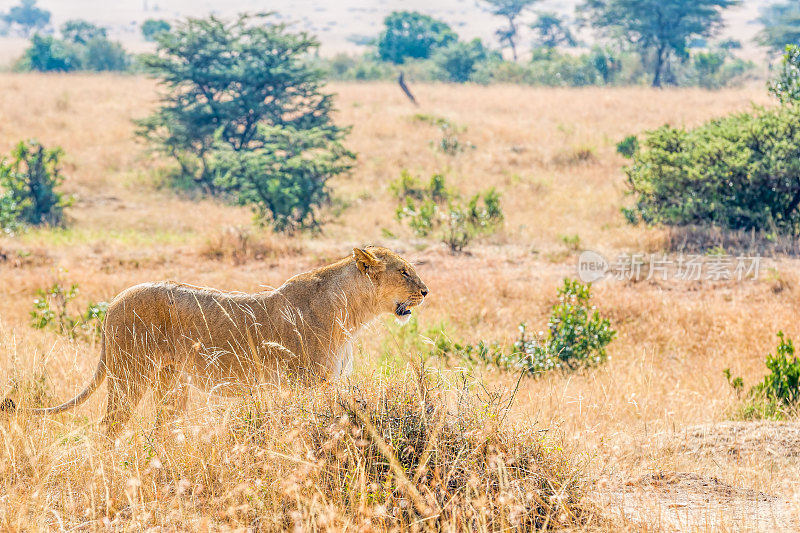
577	338
436	209
357	68
577	335
152	28
48	54
51	310
459	60
786	85
409	186
739	172
778	392
245	115
714	68
628	146
100	54
285	180
783	382
28	187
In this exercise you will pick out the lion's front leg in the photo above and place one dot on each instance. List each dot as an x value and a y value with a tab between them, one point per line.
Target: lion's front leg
346	359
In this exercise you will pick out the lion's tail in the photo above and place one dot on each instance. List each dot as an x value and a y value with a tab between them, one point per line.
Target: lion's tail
99	375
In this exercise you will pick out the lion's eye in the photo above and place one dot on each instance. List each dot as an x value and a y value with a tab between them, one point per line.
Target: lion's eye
404	272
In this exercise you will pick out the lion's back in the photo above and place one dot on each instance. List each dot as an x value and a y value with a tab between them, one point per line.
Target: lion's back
171	310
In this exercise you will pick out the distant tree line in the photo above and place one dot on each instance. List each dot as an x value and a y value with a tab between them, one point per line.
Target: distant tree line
659	42
82	46
77	45
665	42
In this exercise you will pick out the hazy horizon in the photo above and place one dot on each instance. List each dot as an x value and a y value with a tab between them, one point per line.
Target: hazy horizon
336	24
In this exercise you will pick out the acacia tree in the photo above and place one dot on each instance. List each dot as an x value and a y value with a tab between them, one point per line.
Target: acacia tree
27	16
511	10
241	97
412	34
552	30
659	29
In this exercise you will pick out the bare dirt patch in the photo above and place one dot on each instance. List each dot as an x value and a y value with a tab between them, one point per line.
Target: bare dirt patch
685	501
768	438
690	501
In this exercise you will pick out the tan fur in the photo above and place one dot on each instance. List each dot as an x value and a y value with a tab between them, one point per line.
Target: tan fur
162	335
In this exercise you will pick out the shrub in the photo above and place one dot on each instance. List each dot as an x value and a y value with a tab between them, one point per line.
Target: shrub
449	143
28	187
628	146
436	209
780	389
48	54
577	338
783	381
709	65
463	222
459	60
51	310
553	68
739	172
577	335
271	140
100	54
152	28
409	186
409	34
285	179
419	450
786	86
365	67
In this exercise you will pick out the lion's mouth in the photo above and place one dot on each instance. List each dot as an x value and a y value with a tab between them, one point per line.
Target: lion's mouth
402	309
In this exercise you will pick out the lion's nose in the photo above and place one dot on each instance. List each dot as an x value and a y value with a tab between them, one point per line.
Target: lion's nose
424	292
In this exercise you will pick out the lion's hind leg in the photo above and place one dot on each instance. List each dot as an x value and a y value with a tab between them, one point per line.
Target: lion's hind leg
171	394
124	394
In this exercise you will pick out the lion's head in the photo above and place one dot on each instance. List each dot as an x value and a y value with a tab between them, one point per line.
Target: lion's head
397	283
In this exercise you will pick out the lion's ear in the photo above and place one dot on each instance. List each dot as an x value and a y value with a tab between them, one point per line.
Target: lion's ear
366	260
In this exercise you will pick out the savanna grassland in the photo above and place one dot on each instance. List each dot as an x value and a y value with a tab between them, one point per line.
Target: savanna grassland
648	432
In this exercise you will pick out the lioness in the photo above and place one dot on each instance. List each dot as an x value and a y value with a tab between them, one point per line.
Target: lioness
167	334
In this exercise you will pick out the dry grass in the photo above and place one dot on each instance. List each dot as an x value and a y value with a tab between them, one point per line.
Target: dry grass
551	154
380	454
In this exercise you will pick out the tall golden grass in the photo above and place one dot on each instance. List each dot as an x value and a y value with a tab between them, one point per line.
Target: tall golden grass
550	153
